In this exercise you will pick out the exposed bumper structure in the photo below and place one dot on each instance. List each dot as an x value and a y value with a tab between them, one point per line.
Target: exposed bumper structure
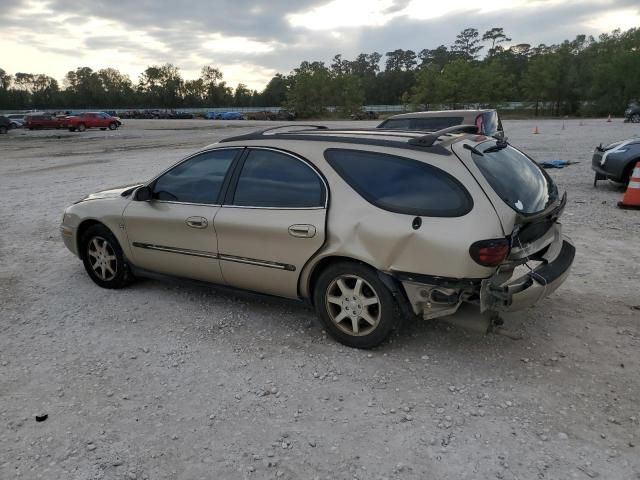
527	289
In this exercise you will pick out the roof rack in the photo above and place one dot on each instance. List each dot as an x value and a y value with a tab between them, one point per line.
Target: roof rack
429	139
270	129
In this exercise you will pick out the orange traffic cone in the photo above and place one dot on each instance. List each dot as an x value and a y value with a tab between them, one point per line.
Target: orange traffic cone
536	131
609	118
631	197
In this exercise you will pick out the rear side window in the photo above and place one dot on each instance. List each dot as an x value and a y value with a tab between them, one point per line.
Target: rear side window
435	123
427	123
396	124
277	180
401	185
197	180
490	123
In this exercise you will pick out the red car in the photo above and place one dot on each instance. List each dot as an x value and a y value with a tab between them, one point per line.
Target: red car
43	120
101	120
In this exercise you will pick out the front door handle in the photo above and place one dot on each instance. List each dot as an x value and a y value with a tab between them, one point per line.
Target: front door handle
302	231
197	222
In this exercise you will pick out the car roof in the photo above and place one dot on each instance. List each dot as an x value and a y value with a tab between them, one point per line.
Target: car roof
442	113
428	142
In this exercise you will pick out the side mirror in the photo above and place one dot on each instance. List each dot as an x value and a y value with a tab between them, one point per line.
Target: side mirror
143	194
499	135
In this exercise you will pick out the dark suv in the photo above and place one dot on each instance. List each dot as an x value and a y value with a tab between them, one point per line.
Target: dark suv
5	124
632	112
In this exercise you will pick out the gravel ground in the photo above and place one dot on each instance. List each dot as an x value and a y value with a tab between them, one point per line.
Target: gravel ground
168	381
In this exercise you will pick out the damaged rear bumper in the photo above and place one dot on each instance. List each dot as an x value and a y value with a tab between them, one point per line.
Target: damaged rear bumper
514	286
522	291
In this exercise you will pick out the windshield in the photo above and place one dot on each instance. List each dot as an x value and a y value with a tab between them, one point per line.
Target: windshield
517	179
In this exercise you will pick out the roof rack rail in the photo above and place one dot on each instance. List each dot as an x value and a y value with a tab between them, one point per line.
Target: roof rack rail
293	125
429	139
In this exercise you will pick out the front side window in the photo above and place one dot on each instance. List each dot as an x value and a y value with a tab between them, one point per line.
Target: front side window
277	180
401	185
197	180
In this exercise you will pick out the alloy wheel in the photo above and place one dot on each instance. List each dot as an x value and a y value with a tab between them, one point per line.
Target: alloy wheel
102	258
353	305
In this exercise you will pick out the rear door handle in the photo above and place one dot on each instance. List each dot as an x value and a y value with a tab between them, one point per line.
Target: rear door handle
197	222
302	231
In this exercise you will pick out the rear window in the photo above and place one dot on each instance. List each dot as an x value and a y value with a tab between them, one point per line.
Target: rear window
401	185
517	179
427	123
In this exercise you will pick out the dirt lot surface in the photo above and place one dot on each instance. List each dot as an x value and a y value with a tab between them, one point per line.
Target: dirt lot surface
167	381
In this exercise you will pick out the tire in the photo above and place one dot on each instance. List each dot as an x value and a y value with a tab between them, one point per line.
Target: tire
103	258
635	118
626	178
3	129
81	127
72	129
355	306
113	126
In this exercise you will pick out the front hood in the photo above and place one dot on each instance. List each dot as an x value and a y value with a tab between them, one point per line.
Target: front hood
111	193
630	141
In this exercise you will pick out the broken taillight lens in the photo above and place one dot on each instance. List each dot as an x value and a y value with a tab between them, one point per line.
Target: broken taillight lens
490	253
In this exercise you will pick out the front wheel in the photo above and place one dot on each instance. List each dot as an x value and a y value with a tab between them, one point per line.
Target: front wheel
3	129
355	306
113	126
635	118
103	258
82	127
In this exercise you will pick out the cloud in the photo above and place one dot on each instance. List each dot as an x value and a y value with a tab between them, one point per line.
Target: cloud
250	40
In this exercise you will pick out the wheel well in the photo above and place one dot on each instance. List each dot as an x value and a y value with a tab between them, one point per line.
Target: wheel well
391	282
83	228
324	264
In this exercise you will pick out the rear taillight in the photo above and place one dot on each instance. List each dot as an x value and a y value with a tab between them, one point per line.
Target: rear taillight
490	253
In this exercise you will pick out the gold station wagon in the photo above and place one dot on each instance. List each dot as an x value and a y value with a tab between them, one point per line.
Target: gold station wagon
368	226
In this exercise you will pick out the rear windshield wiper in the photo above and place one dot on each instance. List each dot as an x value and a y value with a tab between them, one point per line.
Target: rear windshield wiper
473	149
500	144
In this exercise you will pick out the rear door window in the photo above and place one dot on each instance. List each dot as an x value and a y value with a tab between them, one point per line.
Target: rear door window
400	184
273	179
196	180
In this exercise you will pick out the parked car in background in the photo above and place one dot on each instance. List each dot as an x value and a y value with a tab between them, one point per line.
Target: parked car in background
368	115
616	160
487	121
82	121
632	112
261	115
181	115
5	124
39	121
359	225
285	115
224	116
16	119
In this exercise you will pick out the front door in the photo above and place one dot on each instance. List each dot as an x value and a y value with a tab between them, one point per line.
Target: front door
272	222
173	233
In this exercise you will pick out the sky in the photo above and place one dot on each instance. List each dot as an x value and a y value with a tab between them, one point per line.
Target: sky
251	40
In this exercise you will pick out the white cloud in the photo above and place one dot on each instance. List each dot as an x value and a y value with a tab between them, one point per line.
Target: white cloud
622	19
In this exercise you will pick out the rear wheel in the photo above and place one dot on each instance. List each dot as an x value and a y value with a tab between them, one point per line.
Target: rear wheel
355	306
3	129
103	258
82	127
72	129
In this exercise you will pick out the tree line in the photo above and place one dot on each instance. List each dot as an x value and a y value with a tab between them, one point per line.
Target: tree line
584	76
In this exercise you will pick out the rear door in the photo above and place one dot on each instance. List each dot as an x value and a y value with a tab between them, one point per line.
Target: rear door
272	222
173	233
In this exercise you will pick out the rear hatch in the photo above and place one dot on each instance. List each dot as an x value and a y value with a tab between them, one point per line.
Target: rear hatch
524	196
